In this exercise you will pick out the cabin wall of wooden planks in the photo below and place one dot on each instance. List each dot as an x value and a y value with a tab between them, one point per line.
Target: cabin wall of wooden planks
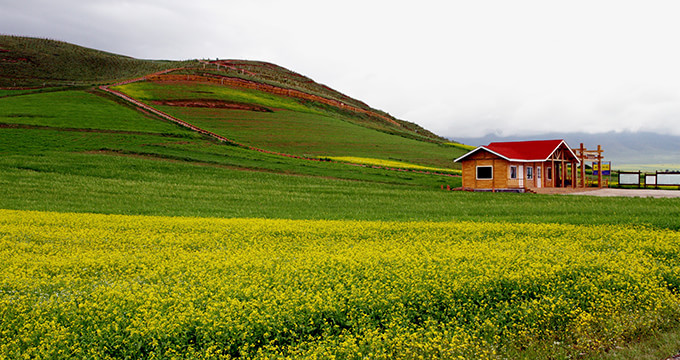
501	173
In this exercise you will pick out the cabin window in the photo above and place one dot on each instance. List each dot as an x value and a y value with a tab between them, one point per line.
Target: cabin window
538	173
548	173
530	172
484	172
513	172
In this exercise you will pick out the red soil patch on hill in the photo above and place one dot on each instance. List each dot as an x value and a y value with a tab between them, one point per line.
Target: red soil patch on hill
17	60
214	104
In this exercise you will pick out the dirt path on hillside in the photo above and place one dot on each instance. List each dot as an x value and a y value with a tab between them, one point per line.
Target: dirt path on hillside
653	193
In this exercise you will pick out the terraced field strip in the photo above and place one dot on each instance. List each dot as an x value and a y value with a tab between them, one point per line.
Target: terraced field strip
231	141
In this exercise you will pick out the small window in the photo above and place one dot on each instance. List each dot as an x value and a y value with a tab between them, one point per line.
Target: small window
513	172
548	173
538	173
530	172
484	172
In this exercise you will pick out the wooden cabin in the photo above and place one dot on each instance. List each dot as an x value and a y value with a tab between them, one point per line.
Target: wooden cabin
519	166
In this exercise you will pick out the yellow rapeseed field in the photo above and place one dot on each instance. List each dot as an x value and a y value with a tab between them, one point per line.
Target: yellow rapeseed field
390	164
108	286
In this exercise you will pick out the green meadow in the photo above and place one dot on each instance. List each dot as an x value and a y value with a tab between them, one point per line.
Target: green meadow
79	109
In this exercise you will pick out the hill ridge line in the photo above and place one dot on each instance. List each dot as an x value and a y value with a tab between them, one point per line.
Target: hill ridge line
230	141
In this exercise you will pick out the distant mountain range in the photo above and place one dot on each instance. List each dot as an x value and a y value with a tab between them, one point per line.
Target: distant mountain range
626	150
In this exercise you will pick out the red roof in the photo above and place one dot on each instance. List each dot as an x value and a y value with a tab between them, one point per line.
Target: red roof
537	150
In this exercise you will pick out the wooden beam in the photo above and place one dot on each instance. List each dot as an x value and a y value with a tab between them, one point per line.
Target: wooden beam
583	165
599	166
563	169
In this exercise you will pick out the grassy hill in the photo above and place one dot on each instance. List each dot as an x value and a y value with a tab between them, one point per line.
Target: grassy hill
28	62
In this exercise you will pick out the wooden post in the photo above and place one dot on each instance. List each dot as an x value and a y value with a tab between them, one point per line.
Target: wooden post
599	166
656	180
583	165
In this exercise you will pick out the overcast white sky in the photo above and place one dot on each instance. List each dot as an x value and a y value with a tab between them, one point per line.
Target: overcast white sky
459	68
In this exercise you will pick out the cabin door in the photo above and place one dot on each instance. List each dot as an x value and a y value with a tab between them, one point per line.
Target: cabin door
539	183
520	176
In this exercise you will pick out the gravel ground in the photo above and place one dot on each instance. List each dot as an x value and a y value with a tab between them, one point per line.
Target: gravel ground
631	193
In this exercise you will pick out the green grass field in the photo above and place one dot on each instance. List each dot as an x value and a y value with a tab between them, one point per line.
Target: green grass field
115	184
78	109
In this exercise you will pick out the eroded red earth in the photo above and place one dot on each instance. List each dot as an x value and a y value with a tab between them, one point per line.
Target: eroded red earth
213	104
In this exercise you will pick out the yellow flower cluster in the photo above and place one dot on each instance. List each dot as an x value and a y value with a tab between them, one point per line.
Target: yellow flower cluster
391	164
460	146
111	286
